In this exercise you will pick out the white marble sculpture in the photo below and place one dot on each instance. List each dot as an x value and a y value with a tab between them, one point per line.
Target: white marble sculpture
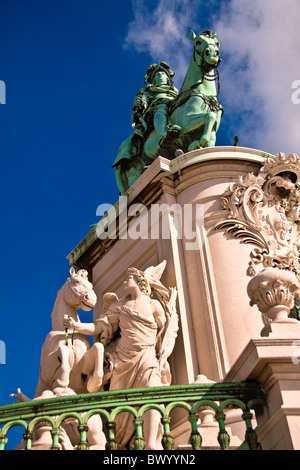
138	332
69	365
67	358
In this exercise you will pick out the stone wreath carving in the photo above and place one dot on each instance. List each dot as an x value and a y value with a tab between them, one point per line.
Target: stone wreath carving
263	210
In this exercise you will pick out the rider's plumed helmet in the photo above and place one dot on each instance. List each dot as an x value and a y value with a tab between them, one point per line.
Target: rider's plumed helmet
154	68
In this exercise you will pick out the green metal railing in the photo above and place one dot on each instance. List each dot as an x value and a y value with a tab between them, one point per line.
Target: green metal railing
219	397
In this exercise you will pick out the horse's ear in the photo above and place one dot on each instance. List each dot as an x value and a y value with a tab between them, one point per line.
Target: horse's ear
72	271
83	273
192	35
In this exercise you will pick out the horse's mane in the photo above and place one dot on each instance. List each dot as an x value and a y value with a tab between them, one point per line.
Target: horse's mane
208	33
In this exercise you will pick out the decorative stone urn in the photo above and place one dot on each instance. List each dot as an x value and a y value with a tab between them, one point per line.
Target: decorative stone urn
273	290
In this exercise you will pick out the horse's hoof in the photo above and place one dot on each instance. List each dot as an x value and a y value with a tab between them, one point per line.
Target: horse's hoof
194	146
203	142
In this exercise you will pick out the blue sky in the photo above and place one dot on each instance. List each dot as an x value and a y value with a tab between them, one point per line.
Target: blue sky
71	70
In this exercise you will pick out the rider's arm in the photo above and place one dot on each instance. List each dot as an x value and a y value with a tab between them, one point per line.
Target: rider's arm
140	104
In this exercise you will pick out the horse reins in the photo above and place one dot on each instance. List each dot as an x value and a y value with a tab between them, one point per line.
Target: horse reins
72	339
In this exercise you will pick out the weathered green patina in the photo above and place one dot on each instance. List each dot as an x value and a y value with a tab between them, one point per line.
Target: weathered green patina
165	120
219	397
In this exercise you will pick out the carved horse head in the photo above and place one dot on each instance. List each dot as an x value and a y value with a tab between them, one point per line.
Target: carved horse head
78	291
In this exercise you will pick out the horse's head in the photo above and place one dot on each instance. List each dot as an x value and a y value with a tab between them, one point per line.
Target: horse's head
206	50
79	292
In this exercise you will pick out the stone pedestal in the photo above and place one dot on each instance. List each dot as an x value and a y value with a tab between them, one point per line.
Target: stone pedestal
208	268
273	362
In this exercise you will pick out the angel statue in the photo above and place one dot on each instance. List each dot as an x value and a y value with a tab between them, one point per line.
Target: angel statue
138	332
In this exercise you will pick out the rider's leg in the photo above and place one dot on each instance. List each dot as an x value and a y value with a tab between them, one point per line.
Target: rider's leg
160	120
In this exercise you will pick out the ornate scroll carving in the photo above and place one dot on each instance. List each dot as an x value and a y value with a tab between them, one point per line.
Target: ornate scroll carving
263	211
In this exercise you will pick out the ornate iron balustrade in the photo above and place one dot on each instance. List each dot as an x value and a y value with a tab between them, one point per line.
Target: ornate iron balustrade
219	397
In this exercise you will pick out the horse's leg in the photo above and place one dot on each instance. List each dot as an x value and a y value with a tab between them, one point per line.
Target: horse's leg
218	120
49	367
195	121
212	141
213	134
63	376
92	366
206	136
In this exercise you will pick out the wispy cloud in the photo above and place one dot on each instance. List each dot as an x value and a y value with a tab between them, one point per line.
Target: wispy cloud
260	47
161	29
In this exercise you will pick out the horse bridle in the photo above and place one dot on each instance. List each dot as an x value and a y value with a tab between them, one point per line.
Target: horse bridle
184	95
209	78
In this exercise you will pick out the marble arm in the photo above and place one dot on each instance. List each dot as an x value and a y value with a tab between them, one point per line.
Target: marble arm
84	328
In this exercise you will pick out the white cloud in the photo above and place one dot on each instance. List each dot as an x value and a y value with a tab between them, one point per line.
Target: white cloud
260	47
263	37
162	31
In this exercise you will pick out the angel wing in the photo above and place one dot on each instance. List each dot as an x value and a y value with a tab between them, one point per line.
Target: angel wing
108	299
155	272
